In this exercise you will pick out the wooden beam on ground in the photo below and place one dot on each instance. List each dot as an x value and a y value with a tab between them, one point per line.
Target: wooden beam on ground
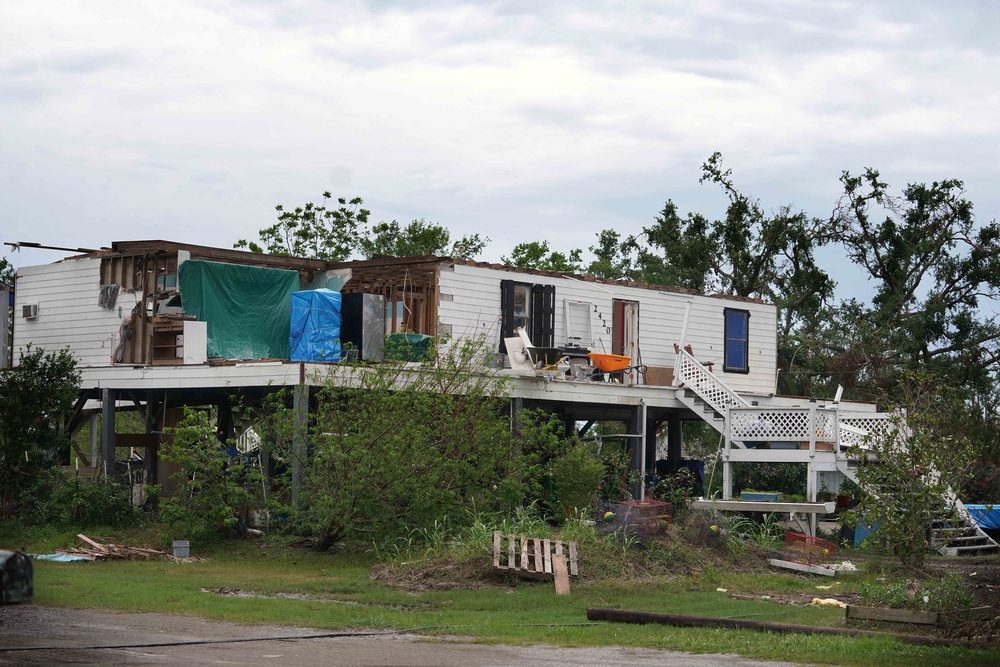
802	567
677	620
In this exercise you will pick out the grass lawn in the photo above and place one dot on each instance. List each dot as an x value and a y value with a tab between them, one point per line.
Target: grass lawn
334	591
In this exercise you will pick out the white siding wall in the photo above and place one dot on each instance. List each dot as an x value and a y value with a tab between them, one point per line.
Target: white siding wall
68	314
474	307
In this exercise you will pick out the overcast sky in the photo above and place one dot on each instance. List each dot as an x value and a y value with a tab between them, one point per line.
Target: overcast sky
521	121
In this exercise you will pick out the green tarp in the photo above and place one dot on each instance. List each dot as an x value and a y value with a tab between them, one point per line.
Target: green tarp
248	309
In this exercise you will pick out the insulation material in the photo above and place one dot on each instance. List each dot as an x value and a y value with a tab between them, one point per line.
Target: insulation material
315	330
247	308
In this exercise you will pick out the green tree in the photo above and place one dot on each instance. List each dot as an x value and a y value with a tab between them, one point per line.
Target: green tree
322	230
931	267
418	238
910	469
7	276
6	271
400	447
36	398
613	257
674	251
536	255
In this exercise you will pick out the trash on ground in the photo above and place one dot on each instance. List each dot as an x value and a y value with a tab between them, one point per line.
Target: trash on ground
97	551
828	602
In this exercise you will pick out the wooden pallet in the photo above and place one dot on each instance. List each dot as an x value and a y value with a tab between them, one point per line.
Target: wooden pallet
531	557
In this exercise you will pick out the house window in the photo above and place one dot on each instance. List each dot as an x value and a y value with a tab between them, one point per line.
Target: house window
529	306
737	355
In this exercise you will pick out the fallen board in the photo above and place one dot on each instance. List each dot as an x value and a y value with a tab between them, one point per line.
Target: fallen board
902	616
802	567
531	557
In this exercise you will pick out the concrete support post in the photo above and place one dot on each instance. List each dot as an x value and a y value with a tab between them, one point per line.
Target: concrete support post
637	446
674	436
516	407
300	434
108	399
812	478
93	438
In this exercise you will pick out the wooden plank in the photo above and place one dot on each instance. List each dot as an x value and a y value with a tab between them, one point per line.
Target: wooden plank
625	616
561	576
538	567
524	553
547	552
97	545
496	550
511	560
572	560
760	506
855	613
802	567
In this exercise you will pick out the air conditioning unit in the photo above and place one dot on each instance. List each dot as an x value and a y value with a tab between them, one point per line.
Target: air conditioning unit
29	311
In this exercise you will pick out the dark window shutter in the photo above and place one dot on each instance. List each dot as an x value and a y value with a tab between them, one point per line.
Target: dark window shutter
506	312
543	315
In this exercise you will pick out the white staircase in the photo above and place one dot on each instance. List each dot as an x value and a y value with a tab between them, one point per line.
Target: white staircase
704	392
833	436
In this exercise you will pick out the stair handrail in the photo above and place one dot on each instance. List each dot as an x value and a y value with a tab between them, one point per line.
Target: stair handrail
690	373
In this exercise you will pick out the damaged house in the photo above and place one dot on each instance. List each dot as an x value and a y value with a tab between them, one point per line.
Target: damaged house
157	325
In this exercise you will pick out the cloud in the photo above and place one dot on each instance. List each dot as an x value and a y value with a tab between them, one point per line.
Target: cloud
520	120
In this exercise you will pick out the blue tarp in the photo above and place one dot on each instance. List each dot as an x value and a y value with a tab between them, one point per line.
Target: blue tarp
315	332
987	516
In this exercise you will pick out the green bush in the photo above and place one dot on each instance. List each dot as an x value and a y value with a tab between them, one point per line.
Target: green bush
36	397
215	489
85	502
949	593
576	475
401	449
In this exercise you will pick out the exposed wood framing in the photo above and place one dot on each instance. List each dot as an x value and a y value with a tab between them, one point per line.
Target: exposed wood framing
414	284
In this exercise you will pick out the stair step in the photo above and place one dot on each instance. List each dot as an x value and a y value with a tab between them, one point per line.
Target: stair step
955	529
966	538
982	547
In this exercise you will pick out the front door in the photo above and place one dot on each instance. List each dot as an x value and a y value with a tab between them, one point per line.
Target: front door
625	334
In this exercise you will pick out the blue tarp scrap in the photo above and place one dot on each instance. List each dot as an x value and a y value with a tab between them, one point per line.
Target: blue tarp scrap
986	516
61	558
315	326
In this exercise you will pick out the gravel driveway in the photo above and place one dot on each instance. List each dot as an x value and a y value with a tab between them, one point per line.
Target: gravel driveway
69	635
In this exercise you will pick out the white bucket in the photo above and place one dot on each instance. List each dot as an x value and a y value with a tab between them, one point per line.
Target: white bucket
182	548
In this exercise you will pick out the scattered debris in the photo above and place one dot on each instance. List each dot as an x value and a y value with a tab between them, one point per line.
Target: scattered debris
828	602
845	566
97	551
